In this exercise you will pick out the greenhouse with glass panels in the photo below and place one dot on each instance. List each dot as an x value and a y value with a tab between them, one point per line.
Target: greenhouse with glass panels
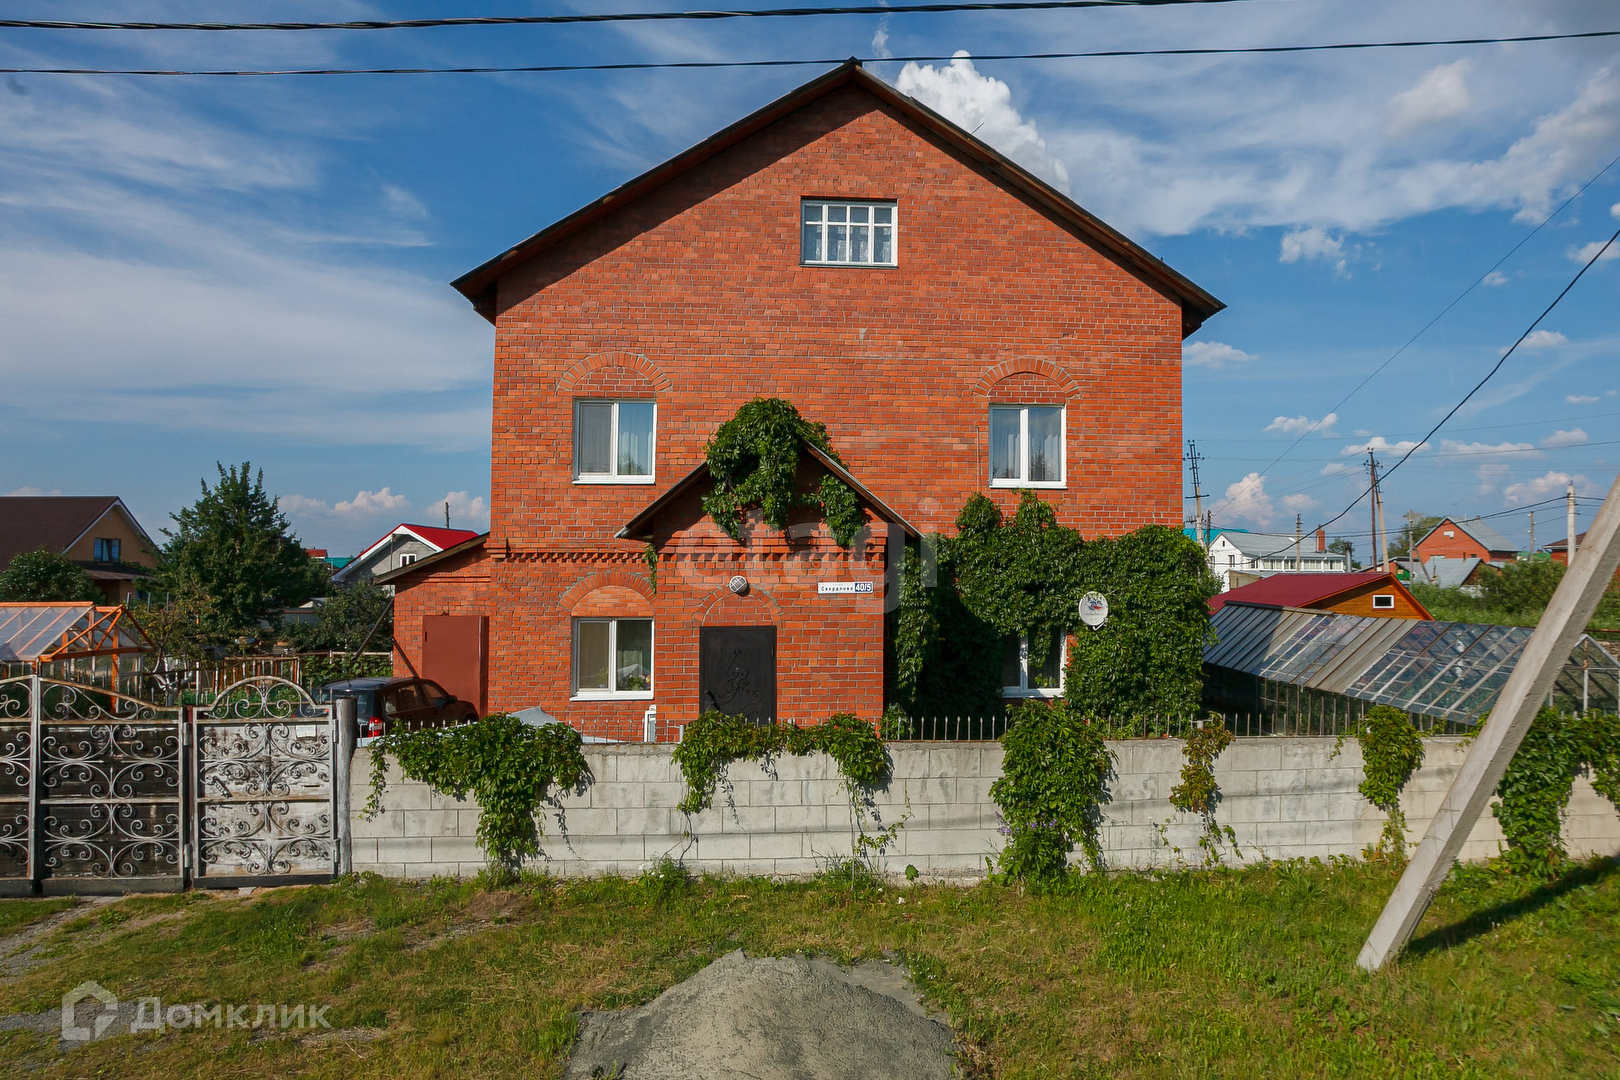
1291	665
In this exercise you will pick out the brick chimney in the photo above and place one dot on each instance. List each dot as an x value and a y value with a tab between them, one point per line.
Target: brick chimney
1321	540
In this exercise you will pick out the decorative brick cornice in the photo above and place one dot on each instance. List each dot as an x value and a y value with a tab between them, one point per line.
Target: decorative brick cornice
1044	368
637	362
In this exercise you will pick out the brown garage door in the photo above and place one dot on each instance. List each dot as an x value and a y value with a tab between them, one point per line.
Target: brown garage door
455	654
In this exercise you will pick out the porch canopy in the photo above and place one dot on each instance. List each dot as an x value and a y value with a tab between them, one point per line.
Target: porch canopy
42	633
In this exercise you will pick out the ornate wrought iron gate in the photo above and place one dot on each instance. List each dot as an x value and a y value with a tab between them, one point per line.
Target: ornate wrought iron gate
263	783
100	791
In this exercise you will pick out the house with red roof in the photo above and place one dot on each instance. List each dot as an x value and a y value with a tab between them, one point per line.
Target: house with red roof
1371	592
400	546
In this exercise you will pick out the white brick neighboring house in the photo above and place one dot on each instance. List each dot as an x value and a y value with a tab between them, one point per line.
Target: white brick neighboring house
1271	553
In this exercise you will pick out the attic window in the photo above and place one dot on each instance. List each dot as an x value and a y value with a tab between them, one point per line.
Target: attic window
1384	602
848	233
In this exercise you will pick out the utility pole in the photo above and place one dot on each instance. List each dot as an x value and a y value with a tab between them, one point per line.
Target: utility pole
1298	525
1193	458
1569	513
447	514
1532	534
1380	552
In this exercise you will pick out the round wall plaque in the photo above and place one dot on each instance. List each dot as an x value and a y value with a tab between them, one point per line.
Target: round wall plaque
738	584
1094	609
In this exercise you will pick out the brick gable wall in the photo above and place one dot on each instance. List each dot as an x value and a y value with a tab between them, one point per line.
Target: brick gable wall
694	295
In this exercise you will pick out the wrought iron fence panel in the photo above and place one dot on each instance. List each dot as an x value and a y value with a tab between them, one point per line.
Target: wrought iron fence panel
17	745
263	781
106	777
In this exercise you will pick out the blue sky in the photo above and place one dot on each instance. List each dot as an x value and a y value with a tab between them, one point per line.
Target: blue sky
255	269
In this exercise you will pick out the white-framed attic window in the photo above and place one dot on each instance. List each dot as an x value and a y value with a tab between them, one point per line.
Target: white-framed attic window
839	233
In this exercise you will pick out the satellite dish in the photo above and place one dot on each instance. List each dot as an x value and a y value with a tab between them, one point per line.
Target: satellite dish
1094	609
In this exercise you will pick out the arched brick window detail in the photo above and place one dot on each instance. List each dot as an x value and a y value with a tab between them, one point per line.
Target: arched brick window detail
1005	377
613	374
609	593
724	608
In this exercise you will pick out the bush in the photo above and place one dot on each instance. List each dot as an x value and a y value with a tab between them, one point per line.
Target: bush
1053	782
44	576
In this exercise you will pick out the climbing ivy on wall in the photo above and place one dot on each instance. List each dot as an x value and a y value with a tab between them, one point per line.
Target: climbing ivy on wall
715	739
510	767
1026	576
1053	783
1198	793
1391	751
754	460
1536	787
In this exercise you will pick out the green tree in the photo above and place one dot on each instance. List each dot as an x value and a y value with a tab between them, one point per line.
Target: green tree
1522	586
237	547
1344	547
353	616
46	575
1416	526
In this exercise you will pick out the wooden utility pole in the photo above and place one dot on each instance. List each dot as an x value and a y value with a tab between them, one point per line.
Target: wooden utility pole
1569	515
1532	533
1526	689
1299	524
1372	504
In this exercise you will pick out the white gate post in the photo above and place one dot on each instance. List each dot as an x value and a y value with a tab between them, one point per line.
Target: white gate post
1527	688
36	728
346	719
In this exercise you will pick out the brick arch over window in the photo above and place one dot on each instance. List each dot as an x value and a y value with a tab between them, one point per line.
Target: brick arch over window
1018	377
614	372
722	607
611	593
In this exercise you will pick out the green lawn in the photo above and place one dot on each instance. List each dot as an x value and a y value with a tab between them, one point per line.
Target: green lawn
1242	974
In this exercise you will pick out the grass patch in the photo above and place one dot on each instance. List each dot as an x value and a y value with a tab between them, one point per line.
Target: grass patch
1220	973
15	914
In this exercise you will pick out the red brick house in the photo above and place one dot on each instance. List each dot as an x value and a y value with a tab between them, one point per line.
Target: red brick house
1466	538
956	323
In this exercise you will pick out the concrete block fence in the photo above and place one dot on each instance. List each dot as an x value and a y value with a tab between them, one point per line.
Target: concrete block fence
1283	797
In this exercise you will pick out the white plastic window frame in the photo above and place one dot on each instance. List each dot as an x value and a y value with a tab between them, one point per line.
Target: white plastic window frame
1383	601
1024	690
869	204
407	558
1023	448
615	477
591	694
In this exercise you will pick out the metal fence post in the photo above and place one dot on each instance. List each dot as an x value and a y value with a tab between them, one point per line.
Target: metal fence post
36	713
346	719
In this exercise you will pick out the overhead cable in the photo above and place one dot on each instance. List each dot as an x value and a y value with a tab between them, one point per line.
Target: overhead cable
615	17
825	61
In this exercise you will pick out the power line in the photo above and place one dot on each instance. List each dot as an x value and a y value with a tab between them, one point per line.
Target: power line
1442	314
825	61
631	16
1477	386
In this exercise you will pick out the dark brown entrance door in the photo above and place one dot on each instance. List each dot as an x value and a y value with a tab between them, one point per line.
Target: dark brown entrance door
737	670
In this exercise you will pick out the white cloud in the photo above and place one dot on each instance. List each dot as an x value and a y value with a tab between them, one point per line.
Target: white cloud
1247	499
467	511
1298	502
1491	477
1614	211
302	506
1299	425
1495	277
1540	339
880	38
31	492
1479	449
1587	252
1572	437
1213	354
982	105
1338	468
1380	445
1442	94
1581	399
1553	483
372	502
1311	243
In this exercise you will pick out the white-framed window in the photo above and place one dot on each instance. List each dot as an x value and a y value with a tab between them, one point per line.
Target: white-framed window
613	658
406	559
1027	675
614	441
1384	601
1027	445
848	233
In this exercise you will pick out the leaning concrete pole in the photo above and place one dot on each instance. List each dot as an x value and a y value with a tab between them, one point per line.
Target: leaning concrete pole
1547	650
